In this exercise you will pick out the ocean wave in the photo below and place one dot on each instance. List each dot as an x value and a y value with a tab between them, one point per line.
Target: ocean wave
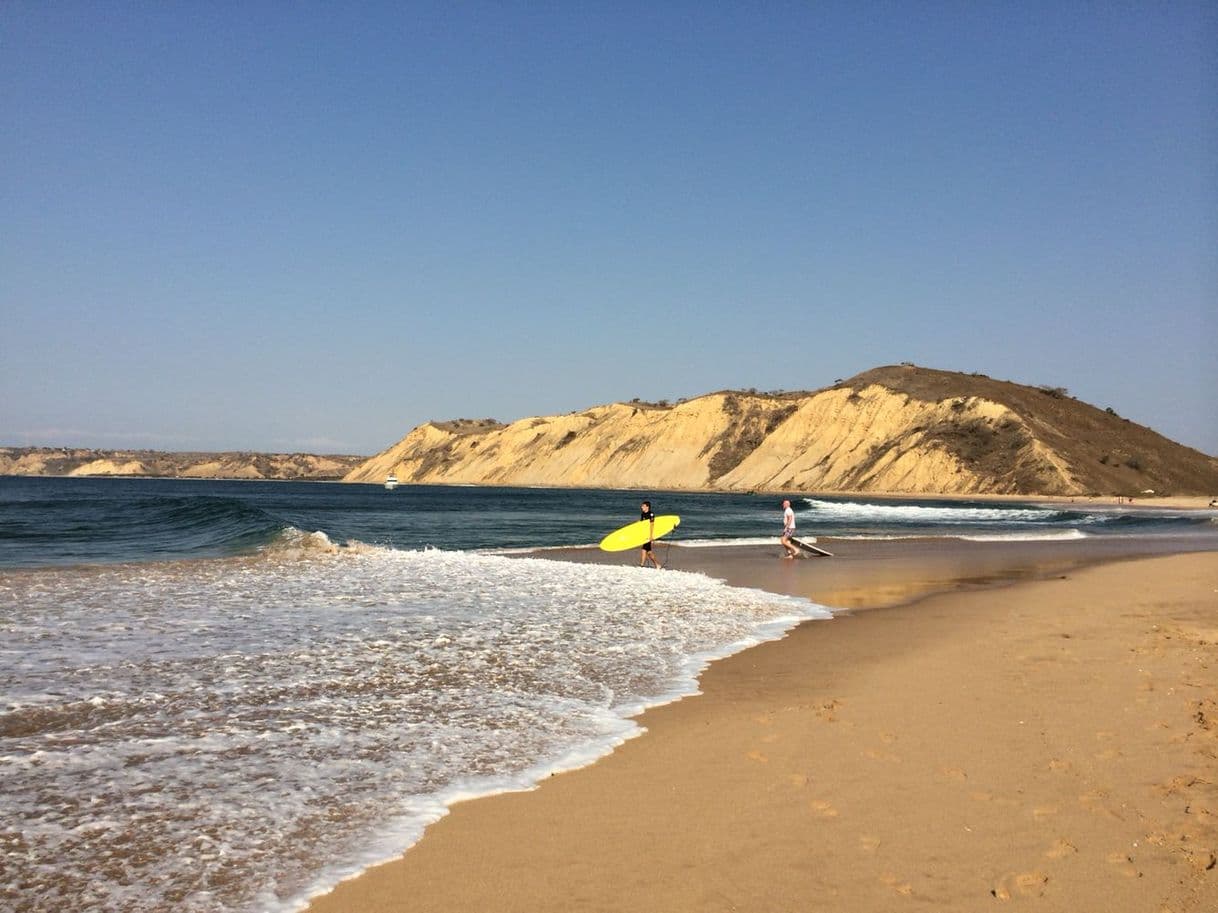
1142	519
122	528
897	513
1048	535
291	542
853	517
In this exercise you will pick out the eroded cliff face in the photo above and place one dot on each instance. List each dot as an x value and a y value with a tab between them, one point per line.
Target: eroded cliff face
841	439
897	429
873	439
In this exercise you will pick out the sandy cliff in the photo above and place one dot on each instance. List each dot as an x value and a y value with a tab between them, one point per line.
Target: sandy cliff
893	429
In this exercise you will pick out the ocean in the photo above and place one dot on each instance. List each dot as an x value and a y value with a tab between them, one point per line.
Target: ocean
227	696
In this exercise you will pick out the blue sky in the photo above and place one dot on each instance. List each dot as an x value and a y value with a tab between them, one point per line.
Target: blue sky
283	226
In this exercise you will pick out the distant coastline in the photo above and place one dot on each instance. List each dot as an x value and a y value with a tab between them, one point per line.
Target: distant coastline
23	462
87	462
891	431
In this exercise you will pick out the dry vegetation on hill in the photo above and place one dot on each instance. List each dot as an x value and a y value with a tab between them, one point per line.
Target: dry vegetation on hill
1107	453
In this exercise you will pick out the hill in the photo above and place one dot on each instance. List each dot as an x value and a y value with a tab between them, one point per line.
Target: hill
903	429
72	461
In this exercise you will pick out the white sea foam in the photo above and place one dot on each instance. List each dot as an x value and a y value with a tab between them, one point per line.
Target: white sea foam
258	728
1026	535
535	549
856	512
1047	535
721	543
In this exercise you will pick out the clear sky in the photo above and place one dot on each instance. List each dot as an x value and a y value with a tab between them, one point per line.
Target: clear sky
297	226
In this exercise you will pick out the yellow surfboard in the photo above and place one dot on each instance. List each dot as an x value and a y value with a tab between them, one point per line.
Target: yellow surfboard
633	535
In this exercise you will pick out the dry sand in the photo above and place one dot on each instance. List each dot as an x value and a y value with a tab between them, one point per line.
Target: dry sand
1051	745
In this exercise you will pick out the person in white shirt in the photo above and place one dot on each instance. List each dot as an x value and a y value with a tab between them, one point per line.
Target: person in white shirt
788	530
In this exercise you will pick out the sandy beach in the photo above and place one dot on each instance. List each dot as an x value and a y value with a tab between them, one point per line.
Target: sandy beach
1040	730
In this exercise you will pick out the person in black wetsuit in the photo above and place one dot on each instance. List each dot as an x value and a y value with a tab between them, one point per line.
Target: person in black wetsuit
646	554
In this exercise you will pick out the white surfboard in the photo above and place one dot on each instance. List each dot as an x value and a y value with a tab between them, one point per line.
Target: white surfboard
807	546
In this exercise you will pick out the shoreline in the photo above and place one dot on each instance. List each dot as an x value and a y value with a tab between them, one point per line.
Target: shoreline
804	667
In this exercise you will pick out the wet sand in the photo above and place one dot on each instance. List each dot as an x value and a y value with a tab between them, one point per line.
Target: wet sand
1051	743
880	573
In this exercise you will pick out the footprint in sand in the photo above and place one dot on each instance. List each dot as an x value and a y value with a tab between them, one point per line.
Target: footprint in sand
1094	801
1124	864
876	755
954	773
904	888
1202	860
757	756
1059	764
1020	884
868	843
1044	811
1158	838
887	738
1179	784
827	710
1061	848
1206	715
799	781
823	808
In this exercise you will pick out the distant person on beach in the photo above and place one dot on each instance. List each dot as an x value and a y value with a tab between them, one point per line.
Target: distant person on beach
788	530
646	554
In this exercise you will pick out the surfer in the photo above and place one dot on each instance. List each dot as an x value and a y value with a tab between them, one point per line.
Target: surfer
788	530
646	554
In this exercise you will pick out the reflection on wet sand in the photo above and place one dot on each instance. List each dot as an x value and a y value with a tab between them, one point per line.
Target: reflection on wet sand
878	573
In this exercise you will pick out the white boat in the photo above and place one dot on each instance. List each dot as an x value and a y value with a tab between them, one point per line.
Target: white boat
392	482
